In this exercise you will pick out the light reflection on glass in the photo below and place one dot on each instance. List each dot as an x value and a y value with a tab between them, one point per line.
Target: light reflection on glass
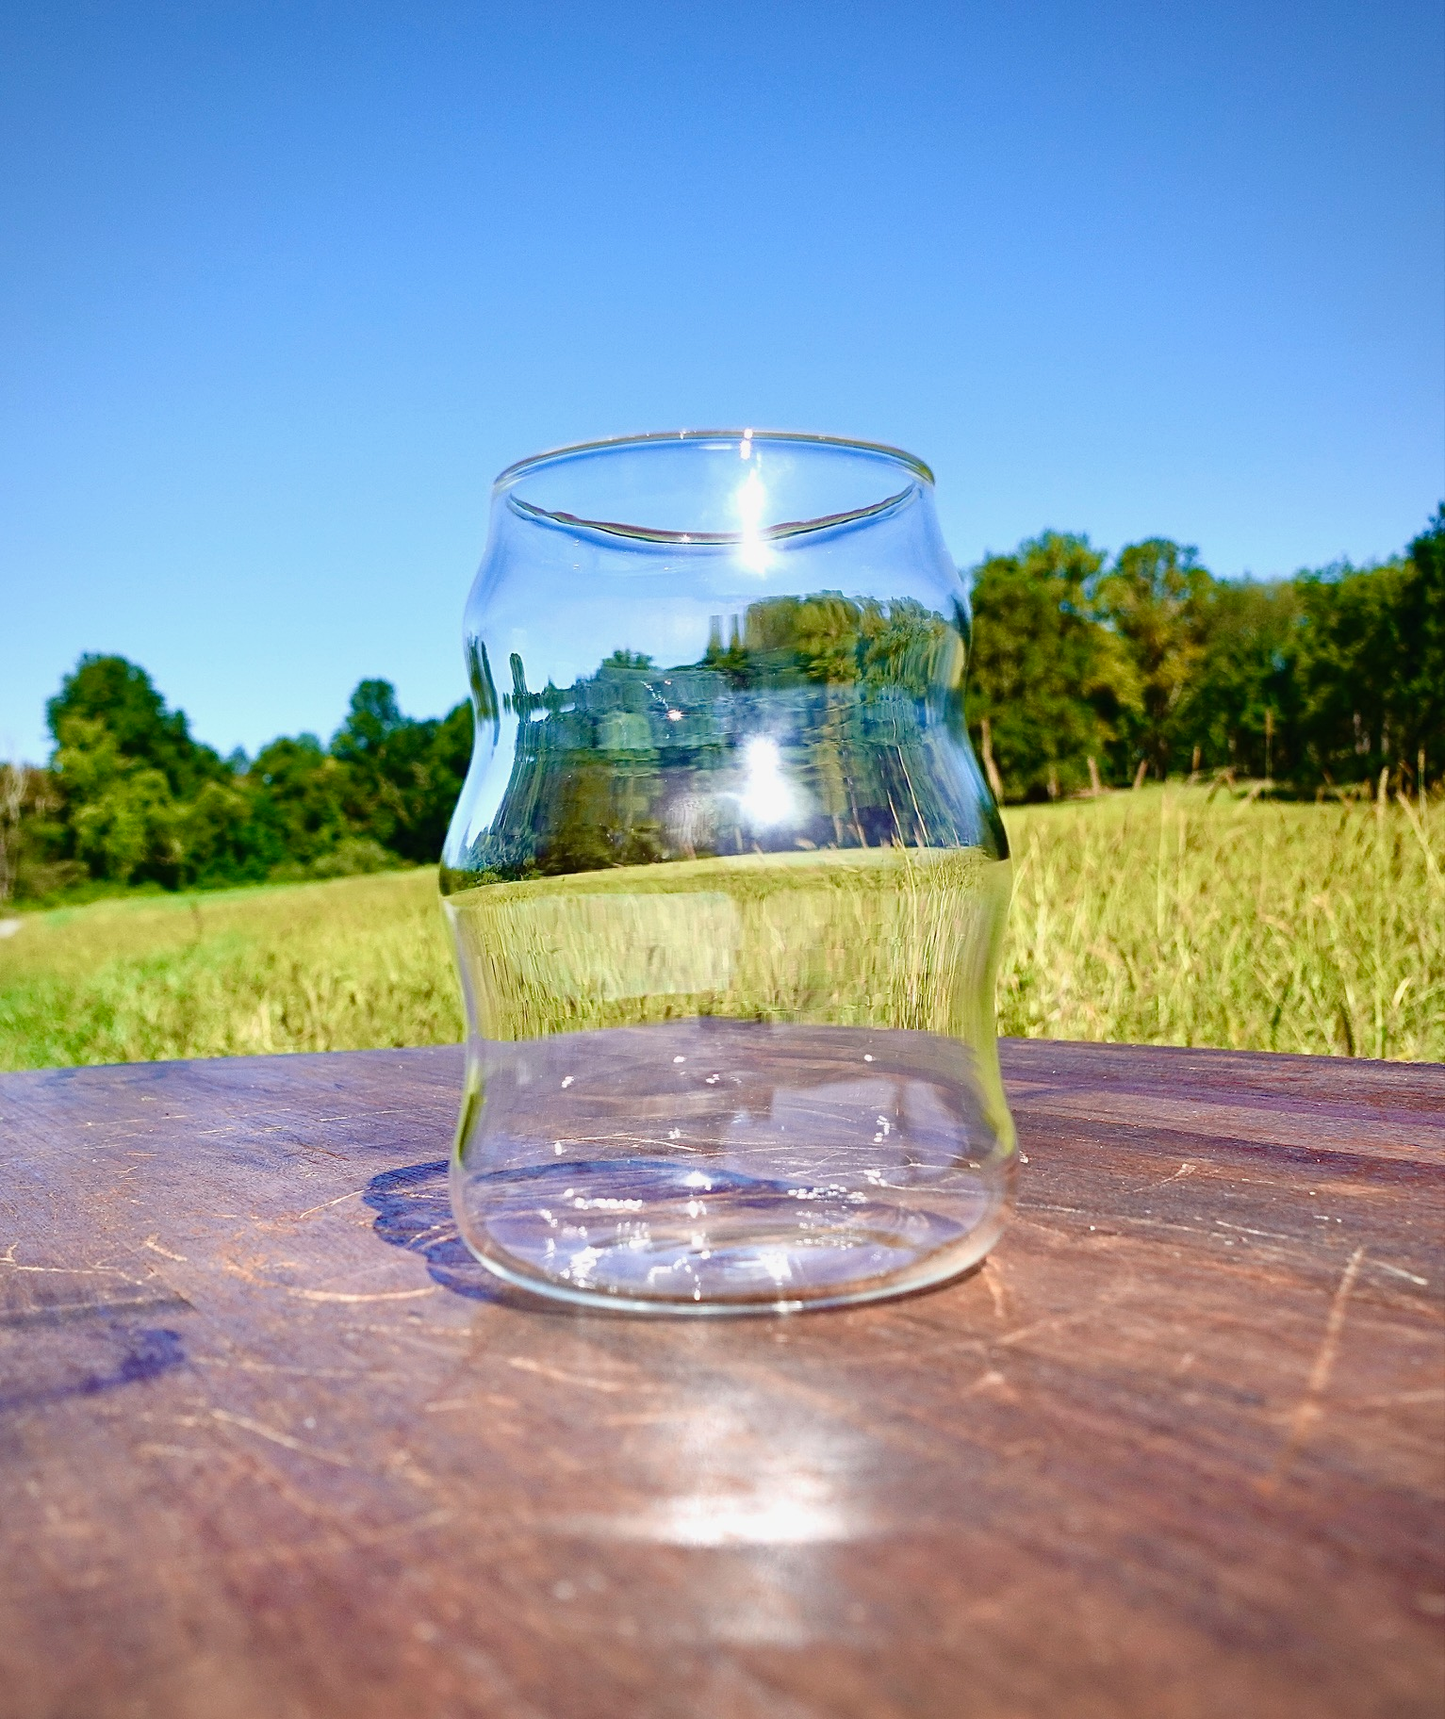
752	499
767	797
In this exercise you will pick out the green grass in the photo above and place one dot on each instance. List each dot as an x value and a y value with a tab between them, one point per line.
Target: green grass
1160	917
885	937
1170	917
343	965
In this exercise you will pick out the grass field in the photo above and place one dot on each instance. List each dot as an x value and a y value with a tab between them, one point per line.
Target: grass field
1162	917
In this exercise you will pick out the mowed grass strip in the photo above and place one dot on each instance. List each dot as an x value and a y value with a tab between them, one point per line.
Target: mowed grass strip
1165	916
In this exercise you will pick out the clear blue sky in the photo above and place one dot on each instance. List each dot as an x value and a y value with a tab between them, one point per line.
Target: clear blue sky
283	286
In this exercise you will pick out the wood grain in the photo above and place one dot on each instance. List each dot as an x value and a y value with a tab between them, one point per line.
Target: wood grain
270	1445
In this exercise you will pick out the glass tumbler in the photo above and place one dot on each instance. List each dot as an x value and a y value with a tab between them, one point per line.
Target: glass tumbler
726	884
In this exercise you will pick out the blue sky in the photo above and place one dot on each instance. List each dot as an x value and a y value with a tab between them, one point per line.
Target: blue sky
283	286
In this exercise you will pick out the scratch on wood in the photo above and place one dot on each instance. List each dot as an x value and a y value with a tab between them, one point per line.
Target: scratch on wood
235	1268
662	1417
1060	1322
992	1380
1055	1324
154	1244
1308	1409
1397	1399
523	1365
62	1312
1245	1230
1399	1271
247	1364
285	1440
353	1541
992	1275
326	1205
372	1295
8	1259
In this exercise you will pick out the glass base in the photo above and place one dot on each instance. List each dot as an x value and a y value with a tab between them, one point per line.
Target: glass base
714	1166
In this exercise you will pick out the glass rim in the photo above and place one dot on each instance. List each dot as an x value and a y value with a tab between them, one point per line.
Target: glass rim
508	477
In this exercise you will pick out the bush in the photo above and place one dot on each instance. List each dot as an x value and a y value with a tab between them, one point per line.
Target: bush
355	857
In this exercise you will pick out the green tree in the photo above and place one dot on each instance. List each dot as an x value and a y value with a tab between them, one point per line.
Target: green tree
1052	685
122	698
120	812
137	791
1372	662
1154	598
401	777
1420	697
220	837
30	834
300	793
1240	709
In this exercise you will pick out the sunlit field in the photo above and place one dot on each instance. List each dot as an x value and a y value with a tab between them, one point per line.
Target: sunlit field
342	965
1169	918
1162	917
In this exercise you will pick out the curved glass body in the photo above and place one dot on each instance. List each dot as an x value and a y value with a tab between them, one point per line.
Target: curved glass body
726	884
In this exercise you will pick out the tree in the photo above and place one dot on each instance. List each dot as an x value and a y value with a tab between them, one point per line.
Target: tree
372	718
1419	703
140	800
401	777
127	769
1372	662
120	811
220	837
1241	707
299	793
1154	599
1051	683
28	800
121	697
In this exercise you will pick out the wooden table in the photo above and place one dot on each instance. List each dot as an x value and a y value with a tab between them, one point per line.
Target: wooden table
272	1447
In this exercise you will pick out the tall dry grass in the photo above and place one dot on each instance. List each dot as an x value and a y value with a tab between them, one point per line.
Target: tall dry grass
1174	917
1162	917
344	965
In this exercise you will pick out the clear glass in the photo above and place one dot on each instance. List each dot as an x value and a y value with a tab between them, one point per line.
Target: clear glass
726	884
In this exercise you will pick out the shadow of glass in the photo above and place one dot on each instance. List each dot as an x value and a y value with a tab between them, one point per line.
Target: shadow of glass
414	1211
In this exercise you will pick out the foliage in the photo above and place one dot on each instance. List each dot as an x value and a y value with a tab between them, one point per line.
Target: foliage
28	804
118	696
1054	686
401	777
1153	600
1372	662
131	798
1242	703
1085	672
1150	663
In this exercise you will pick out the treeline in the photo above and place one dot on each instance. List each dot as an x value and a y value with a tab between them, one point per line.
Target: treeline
130	797
1085	673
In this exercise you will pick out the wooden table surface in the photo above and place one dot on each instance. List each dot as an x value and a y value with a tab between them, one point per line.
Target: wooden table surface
272	1447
